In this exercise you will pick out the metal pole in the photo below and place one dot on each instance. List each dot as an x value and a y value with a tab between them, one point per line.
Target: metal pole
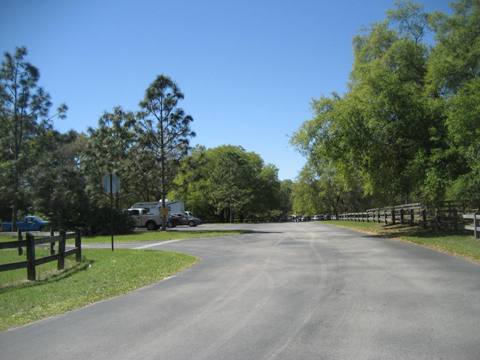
111	207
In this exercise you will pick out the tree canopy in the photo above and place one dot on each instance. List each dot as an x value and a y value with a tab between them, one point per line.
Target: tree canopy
227	183
58	175
407	128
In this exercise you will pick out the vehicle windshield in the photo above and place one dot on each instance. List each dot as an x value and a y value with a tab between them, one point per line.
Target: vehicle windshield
34	218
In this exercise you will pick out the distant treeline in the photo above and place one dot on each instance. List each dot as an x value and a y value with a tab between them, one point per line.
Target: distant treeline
59	175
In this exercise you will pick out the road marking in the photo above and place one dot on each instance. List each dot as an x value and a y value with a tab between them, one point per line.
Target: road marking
155	244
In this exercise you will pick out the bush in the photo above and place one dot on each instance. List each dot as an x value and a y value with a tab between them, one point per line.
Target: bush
99	222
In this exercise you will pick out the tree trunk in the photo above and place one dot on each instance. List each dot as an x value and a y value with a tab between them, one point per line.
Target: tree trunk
17	135
162	170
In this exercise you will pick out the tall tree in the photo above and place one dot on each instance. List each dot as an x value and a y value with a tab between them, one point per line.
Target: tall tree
379	130
24	113
166	130
412	20
453	81
455	58
227	182
56	180
232	176
109	150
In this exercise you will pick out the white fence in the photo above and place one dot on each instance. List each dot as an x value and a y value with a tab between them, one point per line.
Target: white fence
475	226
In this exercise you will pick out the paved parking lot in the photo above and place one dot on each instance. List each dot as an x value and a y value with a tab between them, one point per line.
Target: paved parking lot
284	291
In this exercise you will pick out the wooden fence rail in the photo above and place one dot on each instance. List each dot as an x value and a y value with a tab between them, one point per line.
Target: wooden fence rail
475	226
400	214
30	243
447	216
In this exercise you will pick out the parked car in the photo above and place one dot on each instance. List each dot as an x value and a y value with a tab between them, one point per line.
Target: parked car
30	223
184	219
142	217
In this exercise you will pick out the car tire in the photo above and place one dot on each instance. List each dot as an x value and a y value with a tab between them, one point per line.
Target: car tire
151	225
191	224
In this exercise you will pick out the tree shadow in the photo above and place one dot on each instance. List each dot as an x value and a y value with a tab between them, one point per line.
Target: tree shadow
52	277
394	231
226	232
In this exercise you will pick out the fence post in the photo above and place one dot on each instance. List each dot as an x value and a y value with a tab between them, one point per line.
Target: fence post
61	251
31	274
475	232
52	244
78	245
394	221
401	216
19	238
424	217
455	219
412	219
385	216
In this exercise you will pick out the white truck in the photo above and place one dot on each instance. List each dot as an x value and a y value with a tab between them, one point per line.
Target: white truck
148	214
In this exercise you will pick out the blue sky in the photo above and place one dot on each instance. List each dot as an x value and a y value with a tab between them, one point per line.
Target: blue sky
249	69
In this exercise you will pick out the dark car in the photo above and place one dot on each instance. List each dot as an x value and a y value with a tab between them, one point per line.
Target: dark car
183	219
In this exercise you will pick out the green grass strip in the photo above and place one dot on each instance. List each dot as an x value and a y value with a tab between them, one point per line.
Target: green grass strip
460	244
5	238
162	235
103	274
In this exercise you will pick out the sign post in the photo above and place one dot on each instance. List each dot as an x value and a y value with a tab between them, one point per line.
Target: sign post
111	185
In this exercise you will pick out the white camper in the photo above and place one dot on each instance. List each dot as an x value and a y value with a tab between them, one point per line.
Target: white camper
148	214
174	207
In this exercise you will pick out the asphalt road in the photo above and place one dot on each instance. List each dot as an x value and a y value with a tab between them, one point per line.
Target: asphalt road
287	291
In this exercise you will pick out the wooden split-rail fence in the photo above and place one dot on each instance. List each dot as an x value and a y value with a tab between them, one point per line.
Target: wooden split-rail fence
449	216
401	214
30	242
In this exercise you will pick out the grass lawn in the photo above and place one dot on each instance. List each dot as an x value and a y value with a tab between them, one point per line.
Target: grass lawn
101	275
162	235
462	244
4	238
